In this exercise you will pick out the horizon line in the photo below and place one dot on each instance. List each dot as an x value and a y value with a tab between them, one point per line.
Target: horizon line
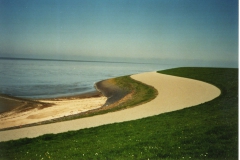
69	60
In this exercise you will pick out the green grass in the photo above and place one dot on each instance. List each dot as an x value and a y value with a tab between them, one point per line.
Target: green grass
142	93
206	131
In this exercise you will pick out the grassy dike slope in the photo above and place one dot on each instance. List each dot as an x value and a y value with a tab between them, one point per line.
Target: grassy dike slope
206	131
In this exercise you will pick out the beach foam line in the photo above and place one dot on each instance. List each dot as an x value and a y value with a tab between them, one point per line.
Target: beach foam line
174	93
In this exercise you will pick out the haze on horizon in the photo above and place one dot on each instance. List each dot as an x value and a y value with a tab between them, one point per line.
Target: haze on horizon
159	31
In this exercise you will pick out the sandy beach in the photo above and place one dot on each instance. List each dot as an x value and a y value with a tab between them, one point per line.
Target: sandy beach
59	108
174	93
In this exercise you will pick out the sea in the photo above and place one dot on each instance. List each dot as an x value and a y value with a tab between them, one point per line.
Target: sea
41	78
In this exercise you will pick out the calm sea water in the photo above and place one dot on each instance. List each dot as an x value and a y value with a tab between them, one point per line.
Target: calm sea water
48	79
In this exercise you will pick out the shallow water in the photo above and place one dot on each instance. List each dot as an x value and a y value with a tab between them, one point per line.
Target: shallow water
49	79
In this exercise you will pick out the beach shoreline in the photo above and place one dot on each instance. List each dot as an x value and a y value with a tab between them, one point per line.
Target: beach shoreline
12	107
175	93
32	112
8	103
38	111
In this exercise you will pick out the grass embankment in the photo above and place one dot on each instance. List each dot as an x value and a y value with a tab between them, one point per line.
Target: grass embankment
206	131
138	93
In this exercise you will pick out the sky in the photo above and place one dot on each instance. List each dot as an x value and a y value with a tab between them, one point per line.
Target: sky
160	31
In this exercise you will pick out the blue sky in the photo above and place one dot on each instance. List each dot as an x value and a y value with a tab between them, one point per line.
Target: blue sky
168	31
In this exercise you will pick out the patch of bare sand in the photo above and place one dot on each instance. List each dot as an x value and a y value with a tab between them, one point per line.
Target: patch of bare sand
174	93
60	108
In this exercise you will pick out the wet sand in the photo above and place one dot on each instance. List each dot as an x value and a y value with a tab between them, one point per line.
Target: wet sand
7	104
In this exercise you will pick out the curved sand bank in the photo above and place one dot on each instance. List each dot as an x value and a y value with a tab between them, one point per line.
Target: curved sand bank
174	93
